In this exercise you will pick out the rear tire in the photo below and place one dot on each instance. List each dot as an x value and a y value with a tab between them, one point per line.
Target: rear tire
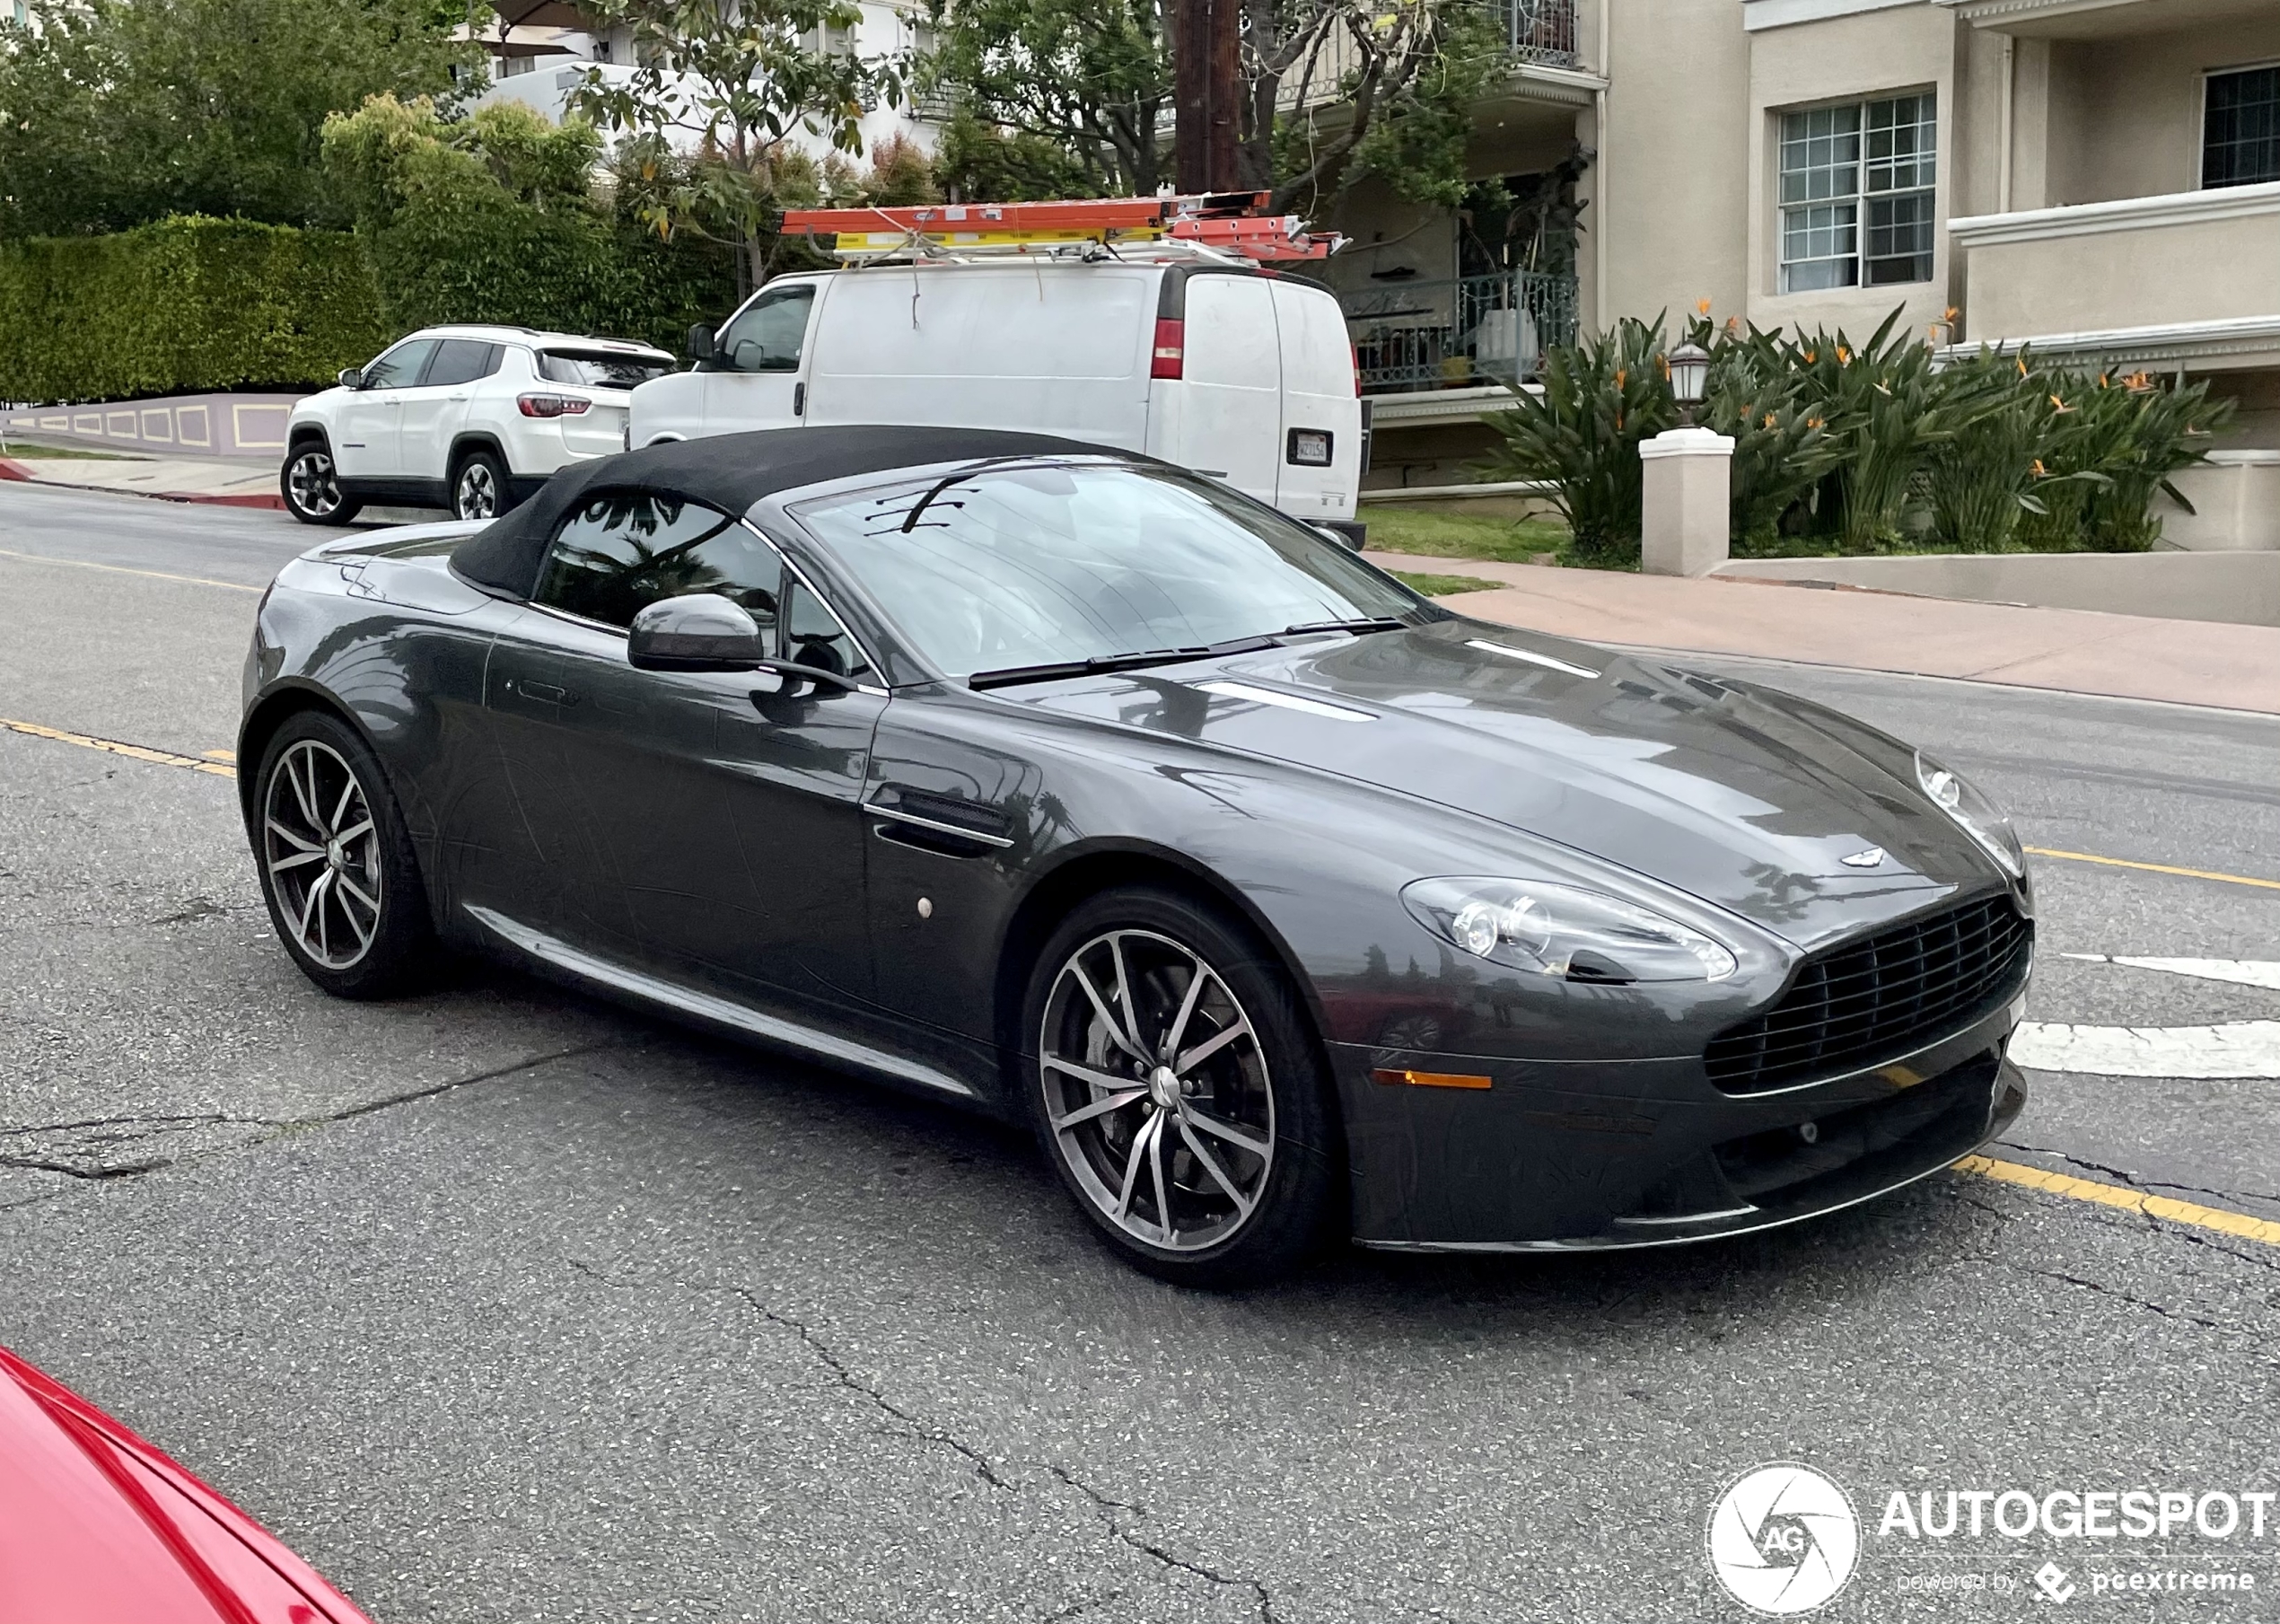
336	864
1196	1133
479	486
311	486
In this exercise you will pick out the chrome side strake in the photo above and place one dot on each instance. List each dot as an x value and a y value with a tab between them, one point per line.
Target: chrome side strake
1270	696
1533	658
873	809
707	1006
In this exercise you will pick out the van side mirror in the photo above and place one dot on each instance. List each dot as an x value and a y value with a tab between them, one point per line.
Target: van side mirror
698	631
352	377
702	345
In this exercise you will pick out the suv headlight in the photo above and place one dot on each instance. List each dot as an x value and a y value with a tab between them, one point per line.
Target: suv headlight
1565	930
1980	817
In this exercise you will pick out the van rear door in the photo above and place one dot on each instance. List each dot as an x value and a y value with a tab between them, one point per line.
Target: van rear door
1231	414
1320	452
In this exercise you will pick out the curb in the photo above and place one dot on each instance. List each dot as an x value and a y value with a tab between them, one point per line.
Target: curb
11	469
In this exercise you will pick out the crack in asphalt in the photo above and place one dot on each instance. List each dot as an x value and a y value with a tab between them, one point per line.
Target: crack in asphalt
1108	1508
847	1379
94	1170
2102	1290
2138	1181
913	1427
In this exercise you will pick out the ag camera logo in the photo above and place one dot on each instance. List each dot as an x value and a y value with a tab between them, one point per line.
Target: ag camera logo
1784	1539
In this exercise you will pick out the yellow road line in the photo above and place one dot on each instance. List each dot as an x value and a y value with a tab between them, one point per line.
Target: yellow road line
2155	868
120	569
138	752
2169	1210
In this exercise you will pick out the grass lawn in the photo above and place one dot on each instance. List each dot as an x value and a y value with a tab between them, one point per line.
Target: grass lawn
17	449
1441	586
1400	528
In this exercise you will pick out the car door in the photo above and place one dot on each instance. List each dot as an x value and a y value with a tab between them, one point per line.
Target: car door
1231	414
435	409
371	422
755	382
703	824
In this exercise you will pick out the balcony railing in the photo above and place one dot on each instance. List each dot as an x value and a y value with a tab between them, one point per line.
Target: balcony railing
1542	31
1467	330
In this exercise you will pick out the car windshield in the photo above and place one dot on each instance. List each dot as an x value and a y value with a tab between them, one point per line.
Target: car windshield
1004	569
599	369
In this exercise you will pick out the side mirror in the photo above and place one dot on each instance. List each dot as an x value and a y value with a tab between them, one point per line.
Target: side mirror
700	631
702	346
352	377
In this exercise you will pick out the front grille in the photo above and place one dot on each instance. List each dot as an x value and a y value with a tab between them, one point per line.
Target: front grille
1877	999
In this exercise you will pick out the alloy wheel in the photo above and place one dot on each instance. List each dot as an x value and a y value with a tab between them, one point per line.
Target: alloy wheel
321	847
478	492
1156	1090
315	492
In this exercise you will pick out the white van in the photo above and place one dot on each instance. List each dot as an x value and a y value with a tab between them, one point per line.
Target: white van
1238	373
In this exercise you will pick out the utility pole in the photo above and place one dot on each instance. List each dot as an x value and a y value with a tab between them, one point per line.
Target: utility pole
1208	90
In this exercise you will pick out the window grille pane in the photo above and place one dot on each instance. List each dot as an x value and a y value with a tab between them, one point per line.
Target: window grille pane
2241	128
1903	141
1820	245
1900	240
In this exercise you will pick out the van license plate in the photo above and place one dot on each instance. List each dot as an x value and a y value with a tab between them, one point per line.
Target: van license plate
1310	447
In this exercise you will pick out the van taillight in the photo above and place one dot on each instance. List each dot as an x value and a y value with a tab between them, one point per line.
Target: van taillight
1354	350
1172	350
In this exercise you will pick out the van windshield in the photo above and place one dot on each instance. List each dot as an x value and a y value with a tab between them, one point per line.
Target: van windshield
600	369
1013	572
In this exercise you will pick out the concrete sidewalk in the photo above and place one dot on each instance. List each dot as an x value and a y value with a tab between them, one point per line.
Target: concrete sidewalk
2074	651
208	479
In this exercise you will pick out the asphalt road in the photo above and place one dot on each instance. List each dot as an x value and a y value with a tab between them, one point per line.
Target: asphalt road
499	1304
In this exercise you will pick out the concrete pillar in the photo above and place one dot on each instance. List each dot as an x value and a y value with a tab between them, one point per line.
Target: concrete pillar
1689	483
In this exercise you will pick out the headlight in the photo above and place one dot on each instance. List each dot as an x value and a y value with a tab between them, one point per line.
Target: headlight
1565	930
1978	816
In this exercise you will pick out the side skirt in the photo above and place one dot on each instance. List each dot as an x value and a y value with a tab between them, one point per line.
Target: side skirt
692	1004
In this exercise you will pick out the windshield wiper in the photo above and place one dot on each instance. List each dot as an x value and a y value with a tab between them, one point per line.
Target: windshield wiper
1359	627
1056	670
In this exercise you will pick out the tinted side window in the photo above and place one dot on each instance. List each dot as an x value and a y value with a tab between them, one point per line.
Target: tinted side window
622	552
400	366
461	361
768	336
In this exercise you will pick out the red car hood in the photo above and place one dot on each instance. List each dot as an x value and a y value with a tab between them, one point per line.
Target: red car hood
95	1524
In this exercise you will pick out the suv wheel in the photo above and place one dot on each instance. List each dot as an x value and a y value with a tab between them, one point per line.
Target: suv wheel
310	489
479	490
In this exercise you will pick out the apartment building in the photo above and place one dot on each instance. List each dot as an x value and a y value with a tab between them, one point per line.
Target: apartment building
2097	178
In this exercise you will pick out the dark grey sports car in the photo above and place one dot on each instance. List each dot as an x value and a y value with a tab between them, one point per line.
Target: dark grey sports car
1280	900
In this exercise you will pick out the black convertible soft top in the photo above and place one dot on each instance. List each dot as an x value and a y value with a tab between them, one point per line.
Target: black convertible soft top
730	472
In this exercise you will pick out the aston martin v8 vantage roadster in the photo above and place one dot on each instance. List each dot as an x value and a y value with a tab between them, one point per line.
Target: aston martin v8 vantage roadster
1284	904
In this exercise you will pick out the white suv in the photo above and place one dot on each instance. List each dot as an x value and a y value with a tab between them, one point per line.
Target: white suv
469	419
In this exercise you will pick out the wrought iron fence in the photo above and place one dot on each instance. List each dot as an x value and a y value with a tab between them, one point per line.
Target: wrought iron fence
1466	330
1540	30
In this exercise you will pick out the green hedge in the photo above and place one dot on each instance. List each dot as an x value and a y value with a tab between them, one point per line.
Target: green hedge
188	304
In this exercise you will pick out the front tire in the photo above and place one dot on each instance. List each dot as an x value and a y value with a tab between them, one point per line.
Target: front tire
1178	1090
337	867
480	488
311	486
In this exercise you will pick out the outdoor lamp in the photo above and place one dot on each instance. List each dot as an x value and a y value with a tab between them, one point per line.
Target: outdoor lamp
1690	372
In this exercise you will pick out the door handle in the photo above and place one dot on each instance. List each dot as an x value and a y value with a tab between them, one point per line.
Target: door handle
800	399
546	693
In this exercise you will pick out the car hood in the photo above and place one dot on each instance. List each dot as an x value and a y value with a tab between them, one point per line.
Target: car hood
1747	799
96	1523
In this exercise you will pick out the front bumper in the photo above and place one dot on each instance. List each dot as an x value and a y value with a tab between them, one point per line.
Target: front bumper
1574	1158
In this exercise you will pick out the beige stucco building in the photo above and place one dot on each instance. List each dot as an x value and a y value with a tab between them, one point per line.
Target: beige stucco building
2096	177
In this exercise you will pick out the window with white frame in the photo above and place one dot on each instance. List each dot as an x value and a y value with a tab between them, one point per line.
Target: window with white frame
2240	128
1856	194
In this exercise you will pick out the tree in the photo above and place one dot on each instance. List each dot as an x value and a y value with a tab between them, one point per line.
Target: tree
1333	90
1093	77
743	77
116	112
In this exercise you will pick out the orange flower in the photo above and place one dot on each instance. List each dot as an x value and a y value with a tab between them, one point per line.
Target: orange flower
2022	366
2101	380
1621	374
1844	356
1768	422
1810	357
1702	306
1815	423
1950	313
1733	324
2057	404
2040	471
